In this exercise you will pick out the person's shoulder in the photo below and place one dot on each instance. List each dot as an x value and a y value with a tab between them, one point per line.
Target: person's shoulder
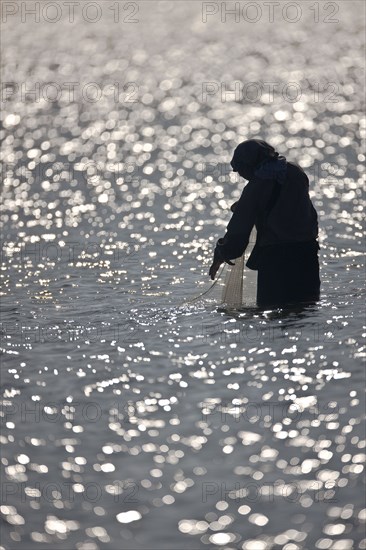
293	166
295	171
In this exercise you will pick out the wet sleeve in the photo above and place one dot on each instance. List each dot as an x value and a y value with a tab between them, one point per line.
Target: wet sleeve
236	239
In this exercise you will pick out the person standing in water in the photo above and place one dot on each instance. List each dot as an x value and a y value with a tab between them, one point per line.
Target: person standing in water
276	200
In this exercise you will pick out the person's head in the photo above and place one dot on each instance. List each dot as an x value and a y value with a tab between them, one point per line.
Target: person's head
249	155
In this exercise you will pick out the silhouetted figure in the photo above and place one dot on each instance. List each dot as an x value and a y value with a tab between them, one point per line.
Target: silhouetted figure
276	200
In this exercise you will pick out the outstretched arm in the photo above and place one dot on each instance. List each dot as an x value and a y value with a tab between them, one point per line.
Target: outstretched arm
236	239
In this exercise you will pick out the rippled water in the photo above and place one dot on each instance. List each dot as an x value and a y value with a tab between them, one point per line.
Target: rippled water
134	418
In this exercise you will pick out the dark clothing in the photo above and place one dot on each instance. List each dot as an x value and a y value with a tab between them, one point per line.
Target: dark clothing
291	219
286	251
288	273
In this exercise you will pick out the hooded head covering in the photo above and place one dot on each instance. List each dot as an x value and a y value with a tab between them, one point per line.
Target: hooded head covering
256	157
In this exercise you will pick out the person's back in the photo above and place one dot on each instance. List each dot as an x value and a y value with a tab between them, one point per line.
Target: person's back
276	200
293	217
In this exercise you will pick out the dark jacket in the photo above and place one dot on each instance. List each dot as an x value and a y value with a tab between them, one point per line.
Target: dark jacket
292	216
